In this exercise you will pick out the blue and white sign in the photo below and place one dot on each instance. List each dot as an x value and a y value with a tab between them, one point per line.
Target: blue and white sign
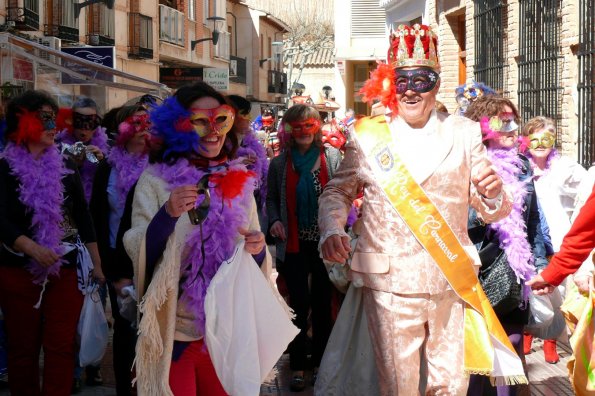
105	56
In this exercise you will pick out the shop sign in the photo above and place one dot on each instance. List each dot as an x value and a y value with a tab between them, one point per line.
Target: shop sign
105	56
218	78
175	77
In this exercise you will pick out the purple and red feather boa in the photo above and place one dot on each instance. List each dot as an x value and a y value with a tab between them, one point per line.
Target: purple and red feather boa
42	192
230	185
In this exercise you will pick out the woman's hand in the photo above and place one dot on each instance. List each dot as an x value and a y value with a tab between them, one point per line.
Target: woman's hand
44	256
254	240
181	200
98	275
95	150
278	231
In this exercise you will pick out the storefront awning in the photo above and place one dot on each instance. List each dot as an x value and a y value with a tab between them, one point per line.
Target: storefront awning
26	64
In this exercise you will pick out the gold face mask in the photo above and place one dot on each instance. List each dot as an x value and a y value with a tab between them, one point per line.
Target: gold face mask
206	121
545	139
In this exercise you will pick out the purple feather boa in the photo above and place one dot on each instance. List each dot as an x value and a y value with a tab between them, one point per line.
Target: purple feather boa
219	231
87	171
251	147
511	231
42	192
552	157
128	168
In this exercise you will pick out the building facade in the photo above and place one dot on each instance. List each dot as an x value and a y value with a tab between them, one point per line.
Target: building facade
539	53
156	46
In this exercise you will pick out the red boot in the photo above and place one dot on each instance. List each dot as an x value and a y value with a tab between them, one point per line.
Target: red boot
550	352
527	340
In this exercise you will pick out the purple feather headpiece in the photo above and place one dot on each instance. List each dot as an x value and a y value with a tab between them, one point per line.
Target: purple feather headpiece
171	125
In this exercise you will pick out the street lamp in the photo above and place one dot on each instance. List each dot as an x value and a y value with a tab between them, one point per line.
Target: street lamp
215	35
276	52
79	6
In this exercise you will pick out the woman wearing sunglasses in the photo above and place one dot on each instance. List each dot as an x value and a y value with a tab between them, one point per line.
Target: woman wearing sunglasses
114	178
191	208
296	179
82	123
557	181
519	235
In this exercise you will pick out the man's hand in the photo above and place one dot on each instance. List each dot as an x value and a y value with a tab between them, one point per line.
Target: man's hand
539	286
336	249
487	182
181	200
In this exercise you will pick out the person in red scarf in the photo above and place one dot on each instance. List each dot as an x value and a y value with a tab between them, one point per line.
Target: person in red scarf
296	179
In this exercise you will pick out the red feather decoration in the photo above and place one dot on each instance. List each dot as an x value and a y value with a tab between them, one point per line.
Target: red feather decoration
30	127
64	119
231	183
381	86
183	125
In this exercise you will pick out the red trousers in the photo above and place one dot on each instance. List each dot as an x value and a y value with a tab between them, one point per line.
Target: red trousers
52	326
193	373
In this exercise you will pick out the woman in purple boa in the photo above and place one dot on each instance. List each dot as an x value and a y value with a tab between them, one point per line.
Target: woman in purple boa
520	234
82	124
114	178
191	208
44	228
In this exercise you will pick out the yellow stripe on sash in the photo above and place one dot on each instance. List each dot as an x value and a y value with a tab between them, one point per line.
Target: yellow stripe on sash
435	235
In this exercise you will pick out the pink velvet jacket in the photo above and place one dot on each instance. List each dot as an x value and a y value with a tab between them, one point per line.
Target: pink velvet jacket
387	256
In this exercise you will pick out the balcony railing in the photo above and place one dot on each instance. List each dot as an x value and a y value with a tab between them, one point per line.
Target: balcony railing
277	82
237	69
222	47
140	36
99	39
65	33
171	25
25	14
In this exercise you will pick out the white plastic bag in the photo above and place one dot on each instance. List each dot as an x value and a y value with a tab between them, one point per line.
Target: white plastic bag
247	326
92	329
545	320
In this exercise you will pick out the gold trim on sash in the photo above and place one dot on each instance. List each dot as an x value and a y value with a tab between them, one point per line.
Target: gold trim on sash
426	223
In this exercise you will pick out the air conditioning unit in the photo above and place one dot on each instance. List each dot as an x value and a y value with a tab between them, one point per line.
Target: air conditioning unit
51	42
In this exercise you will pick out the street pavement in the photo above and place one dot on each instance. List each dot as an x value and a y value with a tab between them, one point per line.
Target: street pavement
546	379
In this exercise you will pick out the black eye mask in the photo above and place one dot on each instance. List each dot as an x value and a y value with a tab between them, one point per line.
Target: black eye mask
85	122
418	80
48	118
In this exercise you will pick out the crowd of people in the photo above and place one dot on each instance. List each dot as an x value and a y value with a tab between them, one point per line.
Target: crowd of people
410	246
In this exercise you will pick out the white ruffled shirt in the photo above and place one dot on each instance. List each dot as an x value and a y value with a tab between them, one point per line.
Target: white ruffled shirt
557	190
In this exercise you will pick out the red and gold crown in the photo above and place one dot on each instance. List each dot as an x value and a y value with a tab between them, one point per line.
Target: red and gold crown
412	46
